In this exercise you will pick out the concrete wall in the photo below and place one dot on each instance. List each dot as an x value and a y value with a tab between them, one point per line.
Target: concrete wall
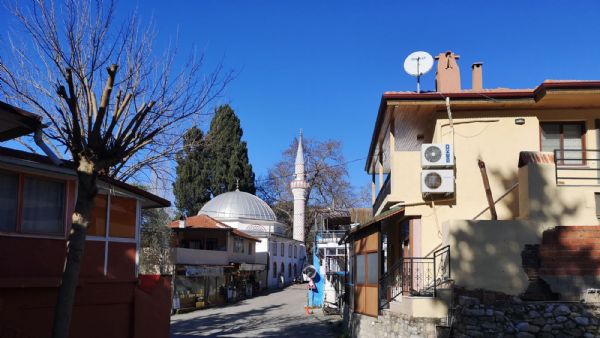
487	254
493	137
548	204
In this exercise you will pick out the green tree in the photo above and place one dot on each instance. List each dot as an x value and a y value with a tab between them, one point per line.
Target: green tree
213	164
229	161
155	242
192	184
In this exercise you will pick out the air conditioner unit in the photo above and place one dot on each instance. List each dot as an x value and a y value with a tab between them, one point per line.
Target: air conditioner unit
437	156
437	181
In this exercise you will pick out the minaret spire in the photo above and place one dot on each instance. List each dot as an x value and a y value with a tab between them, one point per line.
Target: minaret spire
299	187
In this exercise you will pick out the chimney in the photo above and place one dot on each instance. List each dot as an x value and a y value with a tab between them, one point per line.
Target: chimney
181	224
477	72
447	76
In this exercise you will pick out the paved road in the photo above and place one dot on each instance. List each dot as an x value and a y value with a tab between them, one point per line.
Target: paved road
276	314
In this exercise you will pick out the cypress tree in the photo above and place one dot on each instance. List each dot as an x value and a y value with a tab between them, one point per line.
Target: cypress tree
213	164
192	185
229	160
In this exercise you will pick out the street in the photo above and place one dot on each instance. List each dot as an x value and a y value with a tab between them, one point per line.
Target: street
276	314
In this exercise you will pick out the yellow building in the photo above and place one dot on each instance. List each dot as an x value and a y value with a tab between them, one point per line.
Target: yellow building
525	166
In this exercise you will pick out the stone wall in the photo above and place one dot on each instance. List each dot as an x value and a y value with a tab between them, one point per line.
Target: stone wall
516	318
390	324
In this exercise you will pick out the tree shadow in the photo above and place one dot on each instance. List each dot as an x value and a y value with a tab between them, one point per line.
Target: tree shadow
266	321
488	254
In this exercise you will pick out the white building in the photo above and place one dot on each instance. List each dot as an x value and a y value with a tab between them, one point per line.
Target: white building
280	254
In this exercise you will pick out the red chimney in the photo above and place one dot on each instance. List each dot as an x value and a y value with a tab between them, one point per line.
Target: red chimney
477	72
447	77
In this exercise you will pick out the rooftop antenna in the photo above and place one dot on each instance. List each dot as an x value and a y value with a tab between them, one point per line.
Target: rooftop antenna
417	64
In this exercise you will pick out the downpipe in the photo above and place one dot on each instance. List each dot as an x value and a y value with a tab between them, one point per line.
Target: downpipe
38	137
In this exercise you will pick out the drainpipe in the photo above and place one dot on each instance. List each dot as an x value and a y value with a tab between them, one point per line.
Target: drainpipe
39	140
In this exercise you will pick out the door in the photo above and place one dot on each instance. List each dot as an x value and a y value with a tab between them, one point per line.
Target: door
366	276
407	265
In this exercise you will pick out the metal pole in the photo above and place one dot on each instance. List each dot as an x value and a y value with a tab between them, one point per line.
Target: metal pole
434	278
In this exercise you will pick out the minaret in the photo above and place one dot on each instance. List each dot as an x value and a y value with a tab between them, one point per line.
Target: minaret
299	186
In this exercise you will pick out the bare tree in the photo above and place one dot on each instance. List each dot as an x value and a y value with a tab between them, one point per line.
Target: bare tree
327	176
113	104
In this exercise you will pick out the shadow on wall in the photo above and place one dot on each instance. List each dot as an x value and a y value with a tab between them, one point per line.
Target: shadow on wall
486	254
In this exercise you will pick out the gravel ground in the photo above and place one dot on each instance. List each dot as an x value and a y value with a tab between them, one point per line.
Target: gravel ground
275	314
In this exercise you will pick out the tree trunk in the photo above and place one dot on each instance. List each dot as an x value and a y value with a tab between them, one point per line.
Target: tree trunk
86	191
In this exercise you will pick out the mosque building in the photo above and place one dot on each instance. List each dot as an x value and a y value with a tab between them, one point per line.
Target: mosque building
279	256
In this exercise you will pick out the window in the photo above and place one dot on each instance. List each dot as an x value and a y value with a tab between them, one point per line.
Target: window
195	244
566	138
31	205
274	249
295	251
9	191
282	269
282	249
122	217
290	270
295	270
212	244
367	269
238	244
360	269
97	226
249	247
274	270
290	250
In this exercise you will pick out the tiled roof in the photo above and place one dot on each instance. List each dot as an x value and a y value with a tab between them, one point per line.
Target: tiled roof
207	222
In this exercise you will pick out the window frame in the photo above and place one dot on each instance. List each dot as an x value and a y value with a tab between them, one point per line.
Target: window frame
561	124
20	204
106	239
366	269
282	249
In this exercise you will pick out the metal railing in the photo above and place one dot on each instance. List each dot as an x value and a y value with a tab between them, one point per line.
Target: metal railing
416	276
385	190
573	164
334	264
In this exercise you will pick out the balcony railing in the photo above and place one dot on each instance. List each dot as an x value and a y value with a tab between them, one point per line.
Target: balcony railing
386	189
577	166
416	276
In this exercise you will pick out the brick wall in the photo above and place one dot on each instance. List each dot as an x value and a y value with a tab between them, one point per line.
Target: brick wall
571	250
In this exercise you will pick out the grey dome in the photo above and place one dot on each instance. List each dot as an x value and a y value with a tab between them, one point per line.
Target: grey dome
238	204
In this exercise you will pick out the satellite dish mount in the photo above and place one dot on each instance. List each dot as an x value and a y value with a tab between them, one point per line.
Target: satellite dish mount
417	64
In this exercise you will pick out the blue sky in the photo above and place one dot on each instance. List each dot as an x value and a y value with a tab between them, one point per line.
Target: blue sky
323	65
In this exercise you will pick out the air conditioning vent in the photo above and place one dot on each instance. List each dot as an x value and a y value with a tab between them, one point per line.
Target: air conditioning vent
437	181
432	154
437	156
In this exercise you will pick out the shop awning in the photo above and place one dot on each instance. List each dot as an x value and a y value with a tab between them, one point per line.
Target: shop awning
375	220
203	271
251	267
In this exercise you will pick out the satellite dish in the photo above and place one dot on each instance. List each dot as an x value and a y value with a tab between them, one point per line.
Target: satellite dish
417	64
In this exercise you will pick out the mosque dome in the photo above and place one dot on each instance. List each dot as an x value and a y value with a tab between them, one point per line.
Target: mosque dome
238	204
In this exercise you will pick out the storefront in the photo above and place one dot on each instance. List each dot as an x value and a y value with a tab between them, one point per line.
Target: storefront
196	287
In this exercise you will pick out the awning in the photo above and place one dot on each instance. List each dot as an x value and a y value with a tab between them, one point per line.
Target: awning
251	267
375	220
